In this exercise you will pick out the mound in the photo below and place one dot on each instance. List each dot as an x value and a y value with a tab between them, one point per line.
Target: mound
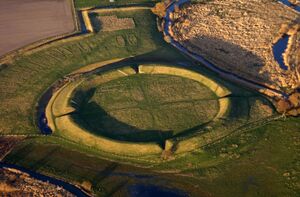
135	112
149	110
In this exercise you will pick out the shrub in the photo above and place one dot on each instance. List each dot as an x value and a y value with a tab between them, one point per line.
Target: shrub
159	9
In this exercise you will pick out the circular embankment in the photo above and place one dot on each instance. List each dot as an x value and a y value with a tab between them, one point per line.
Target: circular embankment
137	111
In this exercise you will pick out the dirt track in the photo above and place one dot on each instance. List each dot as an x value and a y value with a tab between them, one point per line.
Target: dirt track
27	21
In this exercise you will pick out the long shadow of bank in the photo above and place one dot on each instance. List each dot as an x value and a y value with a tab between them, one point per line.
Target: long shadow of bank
93	118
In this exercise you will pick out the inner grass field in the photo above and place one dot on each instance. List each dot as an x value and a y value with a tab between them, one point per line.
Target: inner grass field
144	107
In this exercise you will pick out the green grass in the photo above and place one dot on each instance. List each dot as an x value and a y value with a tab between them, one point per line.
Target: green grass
261	161
144	107
94	3
255	167
64	160
24	80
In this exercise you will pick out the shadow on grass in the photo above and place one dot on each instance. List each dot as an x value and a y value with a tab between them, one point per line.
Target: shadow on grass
93	118
3	66
106	172
167	54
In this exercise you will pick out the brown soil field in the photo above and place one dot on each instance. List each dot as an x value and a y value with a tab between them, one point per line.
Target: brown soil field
27	21
238	36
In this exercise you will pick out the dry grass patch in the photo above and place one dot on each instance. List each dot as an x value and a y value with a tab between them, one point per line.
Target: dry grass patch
237	36
113	23
292	53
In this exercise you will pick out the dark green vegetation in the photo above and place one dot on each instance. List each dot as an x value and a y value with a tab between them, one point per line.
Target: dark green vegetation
66	161
258	161
261	162
144	107
93	3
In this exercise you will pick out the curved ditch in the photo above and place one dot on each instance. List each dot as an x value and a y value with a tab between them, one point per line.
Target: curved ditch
41	120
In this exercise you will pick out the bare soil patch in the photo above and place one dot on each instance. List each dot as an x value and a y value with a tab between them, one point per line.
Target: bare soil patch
27	21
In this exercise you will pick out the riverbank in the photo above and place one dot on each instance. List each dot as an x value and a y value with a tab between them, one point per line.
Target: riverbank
16	181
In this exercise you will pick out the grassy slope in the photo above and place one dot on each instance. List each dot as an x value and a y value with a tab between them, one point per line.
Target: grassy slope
256	167
241	113
93	3
48	155
23	81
